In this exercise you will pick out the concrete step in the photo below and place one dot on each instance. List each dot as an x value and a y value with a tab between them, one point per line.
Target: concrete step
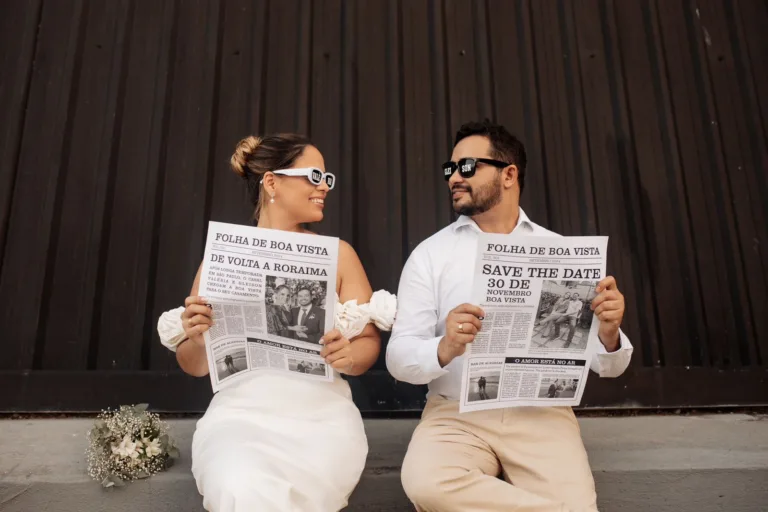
646	463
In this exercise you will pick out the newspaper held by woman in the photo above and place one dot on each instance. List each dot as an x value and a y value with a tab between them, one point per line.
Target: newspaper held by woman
270	291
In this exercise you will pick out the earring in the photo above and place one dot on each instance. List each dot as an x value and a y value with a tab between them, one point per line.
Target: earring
272	201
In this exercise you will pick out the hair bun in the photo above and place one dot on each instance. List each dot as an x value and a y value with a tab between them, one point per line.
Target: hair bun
243	151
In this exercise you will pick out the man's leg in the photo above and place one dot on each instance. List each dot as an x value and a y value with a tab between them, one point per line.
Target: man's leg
552	317
573	331
560	319
541	451
546	324
450	465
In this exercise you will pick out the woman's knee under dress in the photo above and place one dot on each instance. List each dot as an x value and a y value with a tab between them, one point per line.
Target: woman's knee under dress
276	442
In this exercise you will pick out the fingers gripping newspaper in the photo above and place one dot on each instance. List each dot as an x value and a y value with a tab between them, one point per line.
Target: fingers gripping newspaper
539	333
273	298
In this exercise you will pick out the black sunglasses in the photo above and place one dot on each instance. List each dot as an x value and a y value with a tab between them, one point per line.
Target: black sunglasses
468	166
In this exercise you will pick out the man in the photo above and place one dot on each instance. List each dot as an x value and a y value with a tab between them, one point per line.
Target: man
481	388
559	307
308	315
552	391
575	305
566	298
453	461
229	362
557	311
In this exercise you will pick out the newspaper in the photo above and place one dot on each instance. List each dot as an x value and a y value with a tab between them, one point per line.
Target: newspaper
273	297
539	333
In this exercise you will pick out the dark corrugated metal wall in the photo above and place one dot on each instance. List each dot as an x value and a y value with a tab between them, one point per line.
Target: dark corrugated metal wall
644	121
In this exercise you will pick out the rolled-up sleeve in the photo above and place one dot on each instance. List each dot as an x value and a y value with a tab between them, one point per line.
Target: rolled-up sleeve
412	349
612	364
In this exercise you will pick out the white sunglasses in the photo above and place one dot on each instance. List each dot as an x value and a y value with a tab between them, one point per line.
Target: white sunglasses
313	174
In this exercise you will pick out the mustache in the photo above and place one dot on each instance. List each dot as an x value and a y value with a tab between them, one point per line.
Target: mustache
465	188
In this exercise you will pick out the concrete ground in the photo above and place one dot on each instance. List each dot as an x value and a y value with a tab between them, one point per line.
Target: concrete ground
646	463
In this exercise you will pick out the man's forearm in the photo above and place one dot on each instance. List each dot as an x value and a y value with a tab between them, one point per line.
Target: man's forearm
612	345
414	360
444	356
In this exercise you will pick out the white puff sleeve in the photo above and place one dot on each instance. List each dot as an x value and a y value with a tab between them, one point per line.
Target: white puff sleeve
351	317
170	329
383	309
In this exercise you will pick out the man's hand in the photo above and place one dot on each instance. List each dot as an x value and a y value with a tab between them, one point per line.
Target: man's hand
609	308
461	326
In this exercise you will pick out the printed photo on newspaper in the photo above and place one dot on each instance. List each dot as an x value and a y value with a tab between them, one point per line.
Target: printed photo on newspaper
273	297
539	333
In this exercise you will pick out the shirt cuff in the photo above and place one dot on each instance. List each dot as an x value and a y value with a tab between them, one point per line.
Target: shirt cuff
613	364
427	359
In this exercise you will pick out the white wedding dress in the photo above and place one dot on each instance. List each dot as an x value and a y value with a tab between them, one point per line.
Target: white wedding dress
277	442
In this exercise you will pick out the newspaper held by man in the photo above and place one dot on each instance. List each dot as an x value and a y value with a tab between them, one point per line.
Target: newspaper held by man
539	333
273	295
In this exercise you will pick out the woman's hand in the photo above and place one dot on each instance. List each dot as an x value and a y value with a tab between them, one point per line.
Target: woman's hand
337	352
196	319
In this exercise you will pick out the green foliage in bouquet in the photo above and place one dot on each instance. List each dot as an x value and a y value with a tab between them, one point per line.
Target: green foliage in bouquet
128	444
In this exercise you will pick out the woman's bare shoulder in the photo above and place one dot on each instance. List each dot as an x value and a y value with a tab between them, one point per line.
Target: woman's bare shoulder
347	254
353	278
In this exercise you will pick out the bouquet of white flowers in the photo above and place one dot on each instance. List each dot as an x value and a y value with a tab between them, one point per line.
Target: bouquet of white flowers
128	444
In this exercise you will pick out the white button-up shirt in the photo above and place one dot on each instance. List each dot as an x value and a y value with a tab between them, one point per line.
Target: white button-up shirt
438	277
574	307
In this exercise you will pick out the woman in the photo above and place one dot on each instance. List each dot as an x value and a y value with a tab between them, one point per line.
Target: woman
274	441
279	314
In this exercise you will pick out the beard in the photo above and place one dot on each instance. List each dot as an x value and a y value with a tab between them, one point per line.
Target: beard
481	199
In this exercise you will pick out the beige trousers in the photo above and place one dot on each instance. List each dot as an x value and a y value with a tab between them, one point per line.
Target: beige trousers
454	460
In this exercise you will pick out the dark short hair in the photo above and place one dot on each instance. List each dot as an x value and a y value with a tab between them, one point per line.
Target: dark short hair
504	146
304	288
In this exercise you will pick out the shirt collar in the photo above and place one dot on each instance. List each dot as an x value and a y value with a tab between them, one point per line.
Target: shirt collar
522	220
